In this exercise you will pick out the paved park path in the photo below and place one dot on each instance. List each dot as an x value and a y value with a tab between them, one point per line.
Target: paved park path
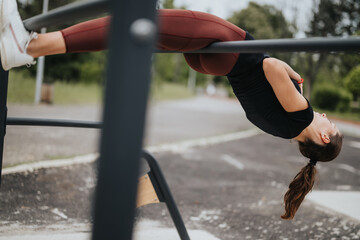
227	178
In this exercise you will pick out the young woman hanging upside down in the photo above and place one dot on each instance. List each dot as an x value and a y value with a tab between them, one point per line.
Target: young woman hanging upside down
269	90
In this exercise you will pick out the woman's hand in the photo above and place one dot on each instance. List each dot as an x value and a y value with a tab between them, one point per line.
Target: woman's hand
279	78
301	89
301	86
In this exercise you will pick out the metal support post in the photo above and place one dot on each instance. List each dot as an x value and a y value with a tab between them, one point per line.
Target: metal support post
166	194
3	110
131	42
41	62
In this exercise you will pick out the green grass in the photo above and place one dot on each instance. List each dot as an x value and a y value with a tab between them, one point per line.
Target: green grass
79	93
22	90
170	91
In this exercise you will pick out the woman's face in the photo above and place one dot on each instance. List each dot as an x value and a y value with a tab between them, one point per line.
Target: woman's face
324	124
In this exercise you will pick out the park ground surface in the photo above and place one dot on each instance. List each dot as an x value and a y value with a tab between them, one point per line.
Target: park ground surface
227	178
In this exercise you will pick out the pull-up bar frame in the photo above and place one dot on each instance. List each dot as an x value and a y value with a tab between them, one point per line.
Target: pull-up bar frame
320	44
123	124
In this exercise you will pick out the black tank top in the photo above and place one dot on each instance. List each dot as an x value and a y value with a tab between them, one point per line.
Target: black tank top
259	101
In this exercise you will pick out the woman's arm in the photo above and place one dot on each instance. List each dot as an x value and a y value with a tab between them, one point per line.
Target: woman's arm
292	74
278	75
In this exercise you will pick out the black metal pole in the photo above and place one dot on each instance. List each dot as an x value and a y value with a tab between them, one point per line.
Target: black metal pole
4	75
166	194
320	44
71	12
52	123
131	43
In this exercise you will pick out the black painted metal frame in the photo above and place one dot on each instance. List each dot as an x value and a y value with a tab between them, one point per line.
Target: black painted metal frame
123	123
318	44
156	174
159	180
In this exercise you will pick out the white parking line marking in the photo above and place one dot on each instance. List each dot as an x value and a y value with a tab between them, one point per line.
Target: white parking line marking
354	144
202	142
348	168
60	214
232	161
343	202
30	167
144	230
174	147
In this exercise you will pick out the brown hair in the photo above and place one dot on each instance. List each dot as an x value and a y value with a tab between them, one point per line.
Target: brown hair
304	180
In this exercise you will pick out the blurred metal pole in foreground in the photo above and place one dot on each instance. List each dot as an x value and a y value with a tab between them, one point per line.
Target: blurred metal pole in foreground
4	76
41	63
131	43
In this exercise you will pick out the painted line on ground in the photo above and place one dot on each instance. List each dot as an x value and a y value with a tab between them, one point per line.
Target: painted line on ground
30	167
348	168
232	161
172	147
202	142
346	203
144	230
354	144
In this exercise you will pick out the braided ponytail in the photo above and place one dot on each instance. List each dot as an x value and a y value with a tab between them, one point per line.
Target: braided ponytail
304	181
298	188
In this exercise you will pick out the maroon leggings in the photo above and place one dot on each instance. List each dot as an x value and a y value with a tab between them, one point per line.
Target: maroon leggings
179	30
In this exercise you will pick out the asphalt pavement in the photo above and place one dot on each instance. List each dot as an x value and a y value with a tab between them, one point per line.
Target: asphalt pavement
227	178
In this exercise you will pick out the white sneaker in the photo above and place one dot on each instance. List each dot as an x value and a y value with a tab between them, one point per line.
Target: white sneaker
14	38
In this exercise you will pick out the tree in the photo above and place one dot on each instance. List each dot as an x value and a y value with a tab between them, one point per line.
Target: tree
353	82
330	18
167	4
170	67
264	22
65	67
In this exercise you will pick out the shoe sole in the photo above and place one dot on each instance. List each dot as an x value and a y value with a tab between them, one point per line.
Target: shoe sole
11	33
2	52
3	57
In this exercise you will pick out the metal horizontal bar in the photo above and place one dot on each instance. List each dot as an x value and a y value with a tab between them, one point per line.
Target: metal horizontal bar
323	44
71	12
52	123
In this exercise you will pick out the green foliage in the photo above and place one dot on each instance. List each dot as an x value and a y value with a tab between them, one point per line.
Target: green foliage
348	62
170	68
75	67
31	8
262	21
331	98
164	67
330	18
335	18
328	75
167	4
92	71
352	81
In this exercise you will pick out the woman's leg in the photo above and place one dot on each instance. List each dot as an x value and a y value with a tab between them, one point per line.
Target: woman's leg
46	44
185	30
179	30
88	36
